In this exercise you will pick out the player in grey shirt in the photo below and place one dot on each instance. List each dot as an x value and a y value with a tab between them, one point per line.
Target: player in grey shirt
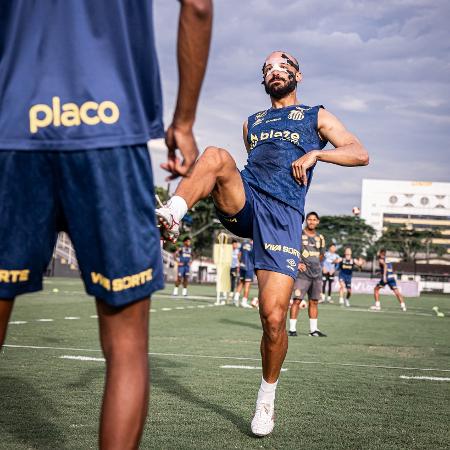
309	278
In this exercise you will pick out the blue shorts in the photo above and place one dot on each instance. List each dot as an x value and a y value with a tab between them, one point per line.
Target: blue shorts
391	282
102	198
347	279
246	274
275	228
183	271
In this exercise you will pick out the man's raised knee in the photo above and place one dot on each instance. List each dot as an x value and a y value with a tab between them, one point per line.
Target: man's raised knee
274	325
218	157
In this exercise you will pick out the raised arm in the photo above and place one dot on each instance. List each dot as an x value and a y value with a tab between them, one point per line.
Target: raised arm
194	36
348	149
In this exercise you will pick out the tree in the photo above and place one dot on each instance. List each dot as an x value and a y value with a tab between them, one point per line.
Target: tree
348	231
409	241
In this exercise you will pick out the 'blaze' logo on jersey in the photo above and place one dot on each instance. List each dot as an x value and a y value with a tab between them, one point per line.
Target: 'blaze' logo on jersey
285	135
70	114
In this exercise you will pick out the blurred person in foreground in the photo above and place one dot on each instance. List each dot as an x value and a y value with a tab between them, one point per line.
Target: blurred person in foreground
80	96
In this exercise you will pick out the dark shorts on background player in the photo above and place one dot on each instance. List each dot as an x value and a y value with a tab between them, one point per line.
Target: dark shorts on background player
183	271
246	274
310	286
103	198
347	279
275	228
391	282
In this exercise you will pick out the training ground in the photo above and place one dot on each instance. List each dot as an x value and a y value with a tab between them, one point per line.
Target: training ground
380	380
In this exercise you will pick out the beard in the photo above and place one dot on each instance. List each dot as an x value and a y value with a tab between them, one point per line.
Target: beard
277	91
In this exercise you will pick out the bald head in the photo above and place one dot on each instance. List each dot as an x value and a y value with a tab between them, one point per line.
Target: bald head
279	54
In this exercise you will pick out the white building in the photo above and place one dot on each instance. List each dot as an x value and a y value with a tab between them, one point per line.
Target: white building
419	204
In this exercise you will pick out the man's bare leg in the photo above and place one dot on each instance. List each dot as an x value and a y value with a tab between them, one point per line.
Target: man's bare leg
376	294
400	298
6	307
214	173
124	340
274	295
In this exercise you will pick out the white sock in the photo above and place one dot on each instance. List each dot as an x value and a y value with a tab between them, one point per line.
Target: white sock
175	291
402	305
341	299
312	325
292	324
184	291
266	393
377	304
244	300
178	206
236	296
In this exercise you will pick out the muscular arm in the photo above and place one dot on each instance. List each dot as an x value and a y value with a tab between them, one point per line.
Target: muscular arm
194	36
348	149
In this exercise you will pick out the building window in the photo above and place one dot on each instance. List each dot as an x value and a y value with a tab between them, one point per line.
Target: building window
393	199
424	201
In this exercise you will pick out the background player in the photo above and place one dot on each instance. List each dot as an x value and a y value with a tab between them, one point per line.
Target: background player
246	273
387	278
234	268
265	202
80	97
184	260
309	278
346	267
330	260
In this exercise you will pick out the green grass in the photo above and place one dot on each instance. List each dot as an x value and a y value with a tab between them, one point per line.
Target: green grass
344	391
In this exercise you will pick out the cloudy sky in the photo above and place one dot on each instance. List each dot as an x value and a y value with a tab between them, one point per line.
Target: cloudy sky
383	67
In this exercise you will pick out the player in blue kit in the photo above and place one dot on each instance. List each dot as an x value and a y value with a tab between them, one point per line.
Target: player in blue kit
246	273
387	278
184	259
330	261
80	97
265	202
346	268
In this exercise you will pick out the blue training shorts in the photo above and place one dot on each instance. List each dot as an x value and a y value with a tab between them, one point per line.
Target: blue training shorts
275	228
104	199
183	271
391	282
347	279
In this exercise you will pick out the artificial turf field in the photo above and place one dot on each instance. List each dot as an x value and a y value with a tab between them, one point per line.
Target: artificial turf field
343	391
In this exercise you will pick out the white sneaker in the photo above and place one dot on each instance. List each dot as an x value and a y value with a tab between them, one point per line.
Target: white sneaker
245	305
403	307
347	303
168	226
264	419
375	308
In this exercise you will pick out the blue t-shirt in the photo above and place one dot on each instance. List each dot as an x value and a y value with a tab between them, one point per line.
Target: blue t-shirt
78	74
185	255
247	258
278	137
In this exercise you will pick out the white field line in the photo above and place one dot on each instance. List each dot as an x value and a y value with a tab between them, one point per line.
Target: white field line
247	368
82	358
17	322
404	377
44	320
166	309
71	318
242	358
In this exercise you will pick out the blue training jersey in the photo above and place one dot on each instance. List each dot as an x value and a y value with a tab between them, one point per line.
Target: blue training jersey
185	255
347	266
78	74
277	137
247	258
